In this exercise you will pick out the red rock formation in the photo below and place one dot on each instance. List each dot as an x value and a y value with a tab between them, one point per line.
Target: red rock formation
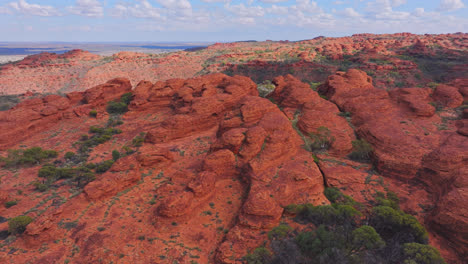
313	112
219	163
410	143
311	60
34	116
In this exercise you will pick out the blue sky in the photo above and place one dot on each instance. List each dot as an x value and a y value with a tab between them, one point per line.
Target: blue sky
223	20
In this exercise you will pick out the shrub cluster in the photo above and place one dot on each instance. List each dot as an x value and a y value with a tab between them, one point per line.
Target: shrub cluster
138	140
344	232
362	150
93	113
121	106
265	88
17	225
27	157
321	139
100	135
79	175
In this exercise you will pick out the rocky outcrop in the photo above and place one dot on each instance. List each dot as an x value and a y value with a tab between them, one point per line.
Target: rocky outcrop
207	165
33	116
313	113
410	142
448	96
309	60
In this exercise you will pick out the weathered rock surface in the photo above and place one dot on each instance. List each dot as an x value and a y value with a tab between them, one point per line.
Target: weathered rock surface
219	163
410	146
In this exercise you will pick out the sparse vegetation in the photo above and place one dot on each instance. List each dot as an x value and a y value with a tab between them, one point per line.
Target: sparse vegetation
11	203
121	106
138	140
17	225
93	113
115	155
344	232
27	157
321	139
362	150
265	88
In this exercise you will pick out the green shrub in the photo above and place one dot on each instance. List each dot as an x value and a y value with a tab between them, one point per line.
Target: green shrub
100	135
421	254
114	121
322	139
104	166
17	225
335	196
120	107
126	98
41	187
366	237
279	232
390	222
28	157
339	234
345	114
390	200
362	150
115	155
69	155
260	255
11	203
80	175
138	140
116	107
93	113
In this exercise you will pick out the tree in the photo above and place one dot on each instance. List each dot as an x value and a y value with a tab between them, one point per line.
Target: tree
421	254
366	238
260	255
17	225
115	155
362	150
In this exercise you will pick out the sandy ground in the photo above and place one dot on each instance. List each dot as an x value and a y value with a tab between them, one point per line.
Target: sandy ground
10	58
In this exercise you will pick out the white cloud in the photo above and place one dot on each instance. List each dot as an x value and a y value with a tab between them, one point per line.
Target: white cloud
307	6
33	9
279	10
450	5
419	12
272	1
143	10
4	10
243	11
398	2
175	4
383	10
89	8
349	12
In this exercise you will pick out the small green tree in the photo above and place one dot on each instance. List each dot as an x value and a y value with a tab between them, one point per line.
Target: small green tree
366	238
93	113
362	150
421	254
116	107
104	166
17	225
69	155
260	255
279	232
115	155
